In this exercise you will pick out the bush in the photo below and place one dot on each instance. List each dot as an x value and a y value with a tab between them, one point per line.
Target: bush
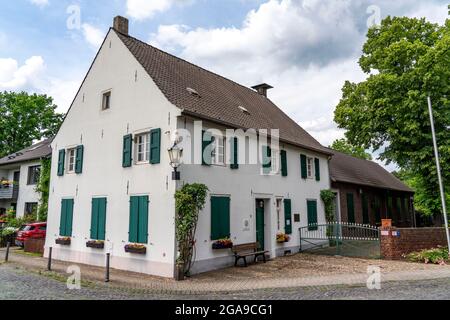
435	256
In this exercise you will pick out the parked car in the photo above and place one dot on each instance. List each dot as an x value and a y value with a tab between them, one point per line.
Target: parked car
31	231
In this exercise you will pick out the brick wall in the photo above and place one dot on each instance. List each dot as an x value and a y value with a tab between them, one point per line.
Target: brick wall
400	241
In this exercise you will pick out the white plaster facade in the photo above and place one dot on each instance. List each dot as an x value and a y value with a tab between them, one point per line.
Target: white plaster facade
26	192
137	105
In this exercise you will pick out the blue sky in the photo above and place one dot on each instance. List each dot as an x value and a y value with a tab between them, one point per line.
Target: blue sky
306	49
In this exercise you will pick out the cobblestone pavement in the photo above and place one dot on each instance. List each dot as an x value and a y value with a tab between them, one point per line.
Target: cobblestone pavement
281	274
16	283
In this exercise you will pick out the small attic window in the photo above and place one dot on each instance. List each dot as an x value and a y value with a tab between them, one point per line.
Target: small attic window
193	92
243	109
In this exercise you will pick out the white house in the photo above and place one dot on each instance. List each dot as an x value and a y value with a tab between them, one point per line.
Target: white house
112	180
19	175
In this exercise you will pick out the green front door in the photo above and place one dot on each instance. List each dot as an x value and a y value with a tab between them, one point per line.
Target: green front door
260	225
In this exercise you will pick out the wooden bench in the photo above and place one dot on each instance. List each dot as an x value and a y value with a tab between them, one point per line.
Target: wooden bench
242	251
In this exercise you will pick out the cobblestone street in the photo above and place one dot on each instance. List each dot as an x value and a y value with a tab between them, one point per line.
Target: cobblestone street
16	283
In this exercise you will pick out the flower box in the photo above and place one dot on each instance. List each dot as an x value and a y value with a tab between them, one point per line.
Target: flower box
63	241
283	238
136	249
95	244
222	244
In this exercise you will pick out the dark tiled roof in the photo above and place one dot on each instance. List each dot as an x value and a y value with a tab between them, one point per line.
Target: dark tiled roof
38	151
348	169
218	98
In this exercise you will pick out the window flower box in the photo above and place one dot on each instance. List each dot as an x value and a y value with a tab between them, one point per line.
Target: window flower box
222	244
283	238
136	249
95	244
63	241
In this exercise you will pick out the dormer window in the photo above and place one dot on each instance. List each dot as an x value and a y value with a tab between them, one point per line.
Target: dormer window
106	101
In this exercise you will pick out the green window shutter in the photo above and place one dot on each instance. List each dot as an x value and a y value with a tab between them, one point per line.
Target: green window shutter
220	218
62	222
317	166
134	220
127	151
234	153
312	215
69	217
284	168
365	209
98	220
94	219
206	141
143	220
79	160
350	208
288	216
304	168
102	219
267	159
155	146
61	161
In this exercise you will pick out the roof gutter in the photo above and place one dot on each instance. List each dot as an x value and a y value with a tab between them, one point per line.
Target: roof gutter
200	116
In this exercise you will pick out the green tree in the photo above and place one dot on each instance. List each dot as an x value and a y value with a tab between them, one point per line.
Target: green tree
406	60
25	118
342	145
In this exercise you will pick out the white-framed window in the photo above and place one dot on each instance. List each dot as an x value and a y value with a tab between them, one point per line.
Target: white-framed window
71	157
106	100
218	151
280	224
276	162
142	147
310	167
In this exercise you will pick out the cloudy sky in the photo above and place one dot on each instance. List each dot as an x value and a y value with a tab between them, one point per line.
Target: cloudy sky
306	49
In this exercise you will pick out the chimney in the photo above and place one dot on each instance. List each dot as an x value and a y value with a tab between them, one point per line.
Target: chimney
262	89
121	25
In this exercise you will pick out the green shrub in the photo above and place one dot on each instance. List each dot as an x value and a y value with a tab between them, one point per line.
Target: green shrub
435	256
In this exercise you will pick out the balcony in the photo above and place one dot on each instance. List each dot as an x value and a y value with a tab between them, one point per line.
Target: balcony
9	192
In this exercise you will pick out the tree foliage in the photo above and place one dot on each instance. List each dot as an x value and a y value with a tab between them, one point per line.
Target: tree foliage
342	145
25	118
328	197
406	60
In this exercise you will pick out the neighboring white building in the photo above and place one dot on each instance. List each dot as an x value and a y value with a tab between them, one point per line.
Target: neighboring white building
19	175
111	179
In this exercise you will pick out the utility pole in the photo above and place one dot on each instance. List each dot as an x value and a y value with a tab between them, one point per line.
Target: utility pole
438	166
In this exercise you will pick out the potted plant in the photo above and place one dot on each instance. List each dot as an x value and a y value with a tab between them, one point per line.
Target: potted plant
283	238
64	241
95	244
222	244
136	248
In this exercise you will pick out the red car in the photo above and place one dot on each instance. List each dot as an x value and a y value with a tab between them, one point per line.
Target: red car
32	230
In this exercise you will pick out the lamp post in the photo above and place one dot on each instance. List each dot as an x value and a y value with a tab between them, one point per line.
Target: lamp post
438	166
175	155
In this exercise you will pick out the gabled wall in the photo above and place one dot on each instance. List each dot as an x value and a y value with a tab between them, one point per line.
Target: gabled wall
136	105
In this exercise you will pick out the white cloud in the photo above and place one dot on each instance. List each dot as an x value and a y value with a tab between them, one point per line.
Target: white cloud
306	49
32	77
13	77
145	9
40	3
93	35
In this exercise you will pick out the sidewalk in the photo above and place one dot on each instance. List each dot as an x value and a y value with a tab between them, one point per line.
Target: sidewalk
213	282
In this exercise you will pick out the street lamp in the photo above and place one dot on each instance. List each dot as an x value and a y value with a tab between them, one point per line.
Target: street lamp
175	155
